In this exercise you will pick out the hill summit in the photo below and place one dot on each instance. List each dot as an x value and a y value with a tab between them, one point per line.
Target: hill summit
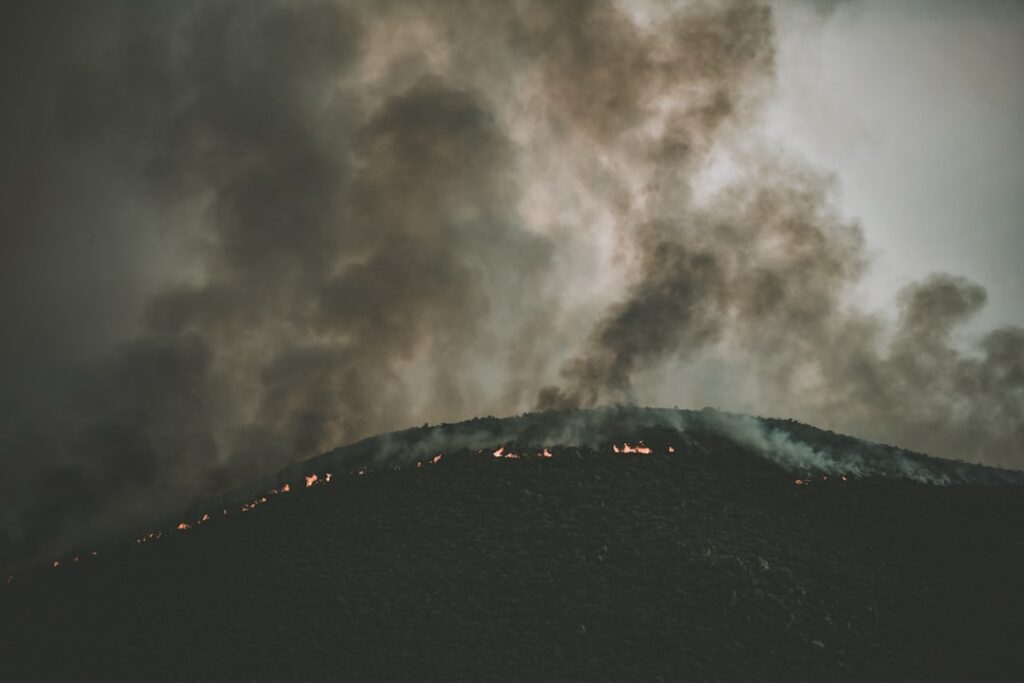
614	544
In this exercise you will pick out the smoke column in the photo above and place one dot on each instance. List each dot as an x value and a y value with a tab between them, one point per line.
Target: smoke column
238	233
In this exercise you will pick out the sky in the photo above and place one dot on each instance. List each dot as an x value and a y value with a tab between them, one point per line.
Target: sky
239	233
918	109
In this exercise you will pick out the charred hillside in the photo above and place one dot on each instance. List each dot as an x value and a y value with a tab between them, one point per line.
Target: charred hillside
603	545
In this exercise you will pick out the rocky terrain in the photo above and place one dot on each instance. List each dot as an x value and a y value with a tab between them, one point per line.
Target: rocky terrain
623	544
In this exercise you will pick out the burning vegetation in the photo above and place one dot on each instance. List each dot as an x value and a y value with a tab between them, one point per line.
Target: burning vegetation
315	479
639	449
700	543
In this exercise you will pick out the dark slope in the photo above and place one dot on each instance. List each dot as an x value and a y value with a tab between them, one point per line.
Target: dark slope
707	563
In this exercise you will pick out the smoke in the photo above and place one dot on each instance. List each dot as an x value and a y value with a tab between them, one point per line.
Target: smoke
240	233
802	450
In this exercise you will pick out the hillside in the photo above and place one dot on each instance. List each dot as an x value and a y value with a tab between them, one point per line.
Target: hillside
735	549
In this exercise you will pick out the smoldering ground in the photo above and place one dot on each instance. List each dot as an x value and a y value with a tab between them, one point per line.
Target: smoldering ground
239	233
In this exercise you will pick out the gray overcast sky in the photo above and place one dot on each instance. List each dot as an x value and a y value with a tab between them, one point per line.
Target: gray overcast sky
919	110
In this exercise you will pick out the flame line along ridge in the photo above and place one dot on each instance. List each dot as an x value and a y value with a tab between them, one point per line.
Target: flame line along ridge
315	479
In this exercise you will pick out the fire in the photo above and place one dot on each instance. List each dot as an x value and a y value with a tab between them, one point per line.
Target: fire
151	536
436	459
800	482
546	454
311	479
502	453
205	518
56	563
843	477
327	478
286	488
640	449
184	527
671	450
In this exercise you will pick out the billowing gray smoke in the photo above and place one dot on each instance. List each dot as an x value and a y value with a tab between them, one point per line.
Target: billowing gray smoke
237	233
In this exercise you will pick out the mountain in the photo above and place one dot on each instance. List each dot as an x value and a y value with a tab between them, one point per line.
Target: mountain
615	544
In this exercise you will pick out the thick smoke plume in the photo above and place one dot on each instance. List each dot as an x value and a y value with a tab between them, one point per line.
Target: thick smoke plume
238	233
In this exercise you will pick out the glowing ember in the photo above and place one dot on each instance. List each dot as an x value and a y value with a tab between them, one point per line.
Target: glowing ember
640	449
502	453
315	479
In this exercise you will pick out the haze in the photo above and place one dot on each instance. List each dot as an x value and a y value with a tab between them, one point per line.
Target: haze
236	234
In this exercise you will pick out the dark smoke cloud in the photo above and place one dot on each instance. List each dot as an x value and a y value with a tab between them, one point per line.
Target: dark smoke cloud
239	233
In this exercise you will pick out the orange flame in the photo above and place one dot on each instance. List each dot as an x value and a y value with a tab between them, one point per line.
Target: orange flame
500	453
436	459
56	563
546	454
800	482
640	449
671	450
327	478
183	527
311	479
286	488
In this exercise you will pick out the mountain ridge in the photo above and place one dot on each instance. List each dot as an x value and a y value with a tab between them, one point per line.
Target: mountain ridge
624	560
